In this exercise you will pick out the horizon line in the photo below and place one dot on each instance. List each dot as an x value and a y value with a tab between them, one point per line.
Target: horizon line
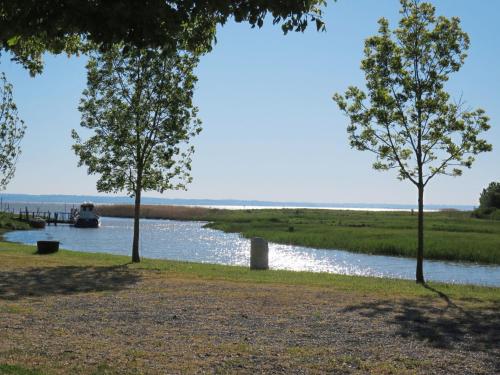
234	200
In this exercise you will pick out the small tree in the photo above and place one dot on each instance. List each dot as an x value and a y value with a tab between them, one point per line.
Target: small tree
11	132
138	103
407	119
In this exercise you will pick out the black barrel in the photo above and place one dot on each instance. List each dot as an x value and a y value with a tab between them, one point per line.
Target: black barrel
47	247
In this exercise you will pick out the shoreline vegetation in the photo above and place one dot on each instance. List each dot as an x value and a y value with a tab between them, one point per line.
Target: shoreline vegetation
99	313
450	235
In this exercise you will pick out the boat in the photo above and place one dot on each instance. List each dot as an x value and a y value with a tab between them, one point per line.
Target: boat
37	223
87	217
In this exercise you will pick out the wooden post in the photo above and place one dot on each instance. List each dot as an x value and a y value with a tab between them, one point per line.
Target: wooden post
55	218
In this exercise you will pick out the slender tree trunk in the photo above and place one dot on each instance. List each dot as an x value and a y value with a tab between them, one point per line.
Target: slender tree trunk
420	249
137	211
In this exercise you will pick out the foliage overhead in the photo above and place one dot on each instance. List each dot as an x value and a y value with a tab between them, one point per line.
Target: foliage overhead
490	197
138	104
11	132
407	118
30	27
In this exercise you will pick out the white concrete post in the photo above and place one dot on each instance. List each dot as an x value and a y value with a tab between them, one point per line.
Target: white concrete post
259	254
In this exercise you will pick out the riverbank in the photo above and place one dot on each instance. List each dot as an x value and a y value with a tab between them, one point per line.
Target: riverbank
449	235
84	313
190	241
11	222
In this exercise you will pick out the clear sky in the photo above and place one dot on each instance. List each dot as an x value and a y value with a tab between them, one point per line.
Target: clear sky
271	130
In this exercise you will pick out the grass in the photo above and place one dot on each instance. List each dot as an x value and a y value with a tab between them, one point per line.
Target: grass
10	222
94	313
17	256
449	235
258	222
17	370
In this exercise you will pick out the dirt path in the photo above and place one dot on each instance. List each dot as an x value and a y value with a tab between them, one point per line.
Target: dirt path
114	320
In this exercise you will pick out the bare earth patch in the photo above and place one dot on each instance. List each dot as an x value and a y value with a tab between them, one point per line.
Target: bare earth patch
117	320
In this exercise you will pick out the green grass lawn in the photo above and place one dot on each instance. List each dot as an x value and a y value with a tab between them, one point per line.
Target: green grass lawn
15	256
18	370
448	235
84	313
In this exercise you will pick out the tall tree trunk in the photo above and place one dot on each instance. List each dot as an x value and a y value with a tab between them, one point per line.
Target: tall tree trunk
420	249
137	211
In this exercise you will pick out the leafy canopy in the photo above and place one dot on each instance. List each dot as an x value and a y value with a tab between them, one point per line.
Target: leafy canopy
138	104
11	133
28	28
406	118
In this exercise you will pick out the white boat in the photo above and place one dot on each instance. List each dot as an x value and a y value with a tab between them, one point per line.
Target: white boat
87	217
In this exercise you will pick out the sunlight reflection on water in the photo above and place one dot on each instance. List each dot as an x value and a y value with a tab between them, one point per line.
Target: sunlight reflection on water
189	241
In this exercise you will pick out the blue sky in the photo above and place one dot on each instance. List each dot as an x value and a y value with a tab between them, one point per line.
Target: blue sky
271	130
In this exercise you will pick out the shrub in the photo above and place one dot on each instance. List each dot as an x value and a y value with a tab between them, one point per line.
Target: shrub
495	215
490	197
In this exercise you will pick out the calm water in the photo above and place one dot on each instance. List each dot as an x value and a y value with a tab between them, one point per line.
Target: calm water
189	241
59	202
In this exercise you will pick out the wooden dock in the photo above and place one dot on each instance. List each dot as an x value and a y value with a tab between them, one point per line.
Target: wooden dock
49	217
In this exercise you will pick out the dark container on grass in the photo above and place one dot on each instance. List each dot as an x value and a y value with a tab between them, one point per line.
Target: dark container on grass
47	247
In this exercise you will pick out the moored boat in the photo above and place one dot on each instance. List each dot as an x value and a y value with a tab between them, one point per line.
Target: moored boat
37	223
87	217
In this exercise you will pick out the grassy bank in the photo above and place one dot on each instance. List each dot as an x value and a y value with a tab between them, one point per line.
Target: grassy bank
448	235
18	256
10	222
84	313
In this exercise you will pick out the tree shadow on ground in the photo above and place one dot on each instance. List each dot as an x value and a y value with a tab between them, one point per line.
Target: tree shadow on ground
472	329
39	282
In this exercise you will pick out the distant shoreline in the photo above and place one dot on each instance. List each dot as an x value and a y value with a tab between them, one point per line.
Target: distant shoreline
218	203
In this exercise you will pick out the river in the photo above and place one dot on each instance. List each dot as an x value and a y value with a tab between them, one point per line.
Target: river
190	241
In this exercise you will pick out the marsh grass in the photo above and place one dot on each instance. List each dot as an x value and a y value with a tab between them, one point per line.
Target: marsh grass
11	222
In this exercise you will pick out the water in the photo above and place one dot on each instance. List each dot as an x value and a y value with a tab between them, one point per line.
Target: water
189	241
59	202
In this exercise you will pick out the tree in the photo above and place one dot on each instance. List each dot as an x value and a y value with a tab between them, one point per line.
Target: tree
138	103
490	197
407	118
11	133
30	28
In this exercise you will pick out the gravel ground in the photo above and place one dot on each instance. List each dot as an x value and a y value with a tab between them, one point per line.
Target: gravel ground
72	320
